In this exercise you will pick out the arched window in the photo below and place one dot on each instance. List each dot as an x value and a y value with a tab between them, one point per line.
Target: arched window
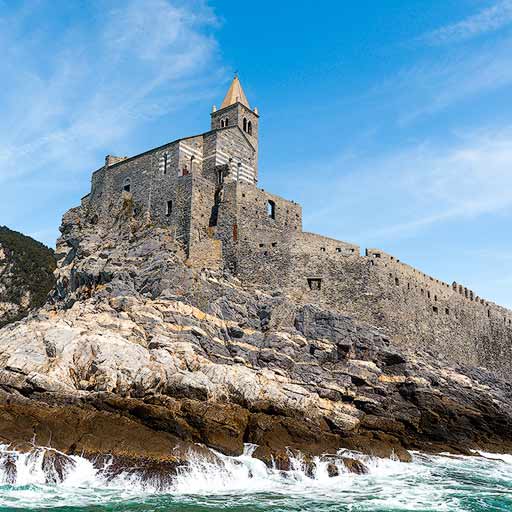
127	185
245	124
222	123
249	128
226	122
271	209
168	208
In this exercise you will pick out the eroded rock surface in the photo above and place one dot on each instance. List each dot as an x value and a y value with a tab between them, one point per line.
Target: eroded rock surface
140	356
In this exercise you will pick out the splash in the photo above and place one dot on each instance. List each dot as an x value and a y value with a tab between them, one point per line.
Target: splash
46	478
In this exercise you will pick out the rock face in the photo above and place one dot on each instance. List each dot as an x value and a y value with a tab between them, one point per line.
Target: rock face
26	275
140	356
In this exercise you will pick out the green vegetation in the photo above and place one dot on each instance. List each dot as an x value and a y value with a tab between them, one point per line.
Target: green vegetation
30	268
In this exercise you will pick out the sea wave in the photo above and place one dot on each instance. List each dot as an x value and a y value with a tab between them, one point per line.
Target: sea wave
46	478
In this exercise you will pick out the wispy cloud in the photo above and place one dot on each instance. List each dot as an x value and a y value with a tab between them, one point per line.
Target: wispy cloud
99	86
417	187
487	20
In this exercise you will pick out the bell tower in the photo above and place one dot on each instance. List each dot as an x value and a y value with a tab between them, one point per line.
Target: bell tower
235	111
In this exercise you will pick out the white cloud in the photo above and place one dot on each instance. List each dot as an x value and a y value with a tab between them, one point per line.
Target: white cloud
415	188
103	80
489	19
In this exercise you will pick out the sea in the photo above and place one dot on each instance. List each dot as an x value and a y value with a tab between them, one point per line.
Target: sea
244	484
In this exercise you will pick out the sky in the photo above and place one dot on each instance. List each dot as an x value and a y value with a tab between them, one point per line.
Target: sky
389	121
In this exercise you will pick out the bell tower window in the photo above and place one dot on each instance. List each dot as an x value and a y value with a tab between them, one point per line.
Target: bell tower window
127	185
245	124
249	128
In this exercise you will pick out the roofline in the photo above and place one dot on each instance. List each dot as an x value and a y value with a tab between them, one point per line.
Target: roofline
234	104
129	159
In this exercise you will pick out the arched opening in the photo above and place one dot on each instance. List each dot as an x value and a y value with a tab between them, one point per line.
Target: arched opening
168	208
226	122
222	123
127	185
249	128
271	209
245	124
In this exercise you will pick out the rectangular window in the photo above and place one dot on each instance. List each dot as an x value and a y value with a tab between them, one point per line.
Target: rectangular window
166	163
314	283
271	209
168	208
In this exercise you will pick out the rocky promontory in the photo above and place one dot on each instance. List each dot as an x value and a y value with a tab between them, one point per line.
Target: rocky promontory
139	355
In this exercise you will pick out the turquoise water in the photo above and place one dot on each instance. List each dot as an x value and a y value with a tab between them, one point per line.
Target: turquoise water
429	483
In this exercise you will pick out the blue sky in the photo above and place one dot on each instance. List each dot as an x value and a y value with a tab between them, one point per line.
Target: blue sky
390	121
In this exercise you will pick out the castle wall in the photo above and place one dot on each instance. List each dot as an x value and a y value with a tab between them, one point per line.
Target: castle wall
430	314
263	252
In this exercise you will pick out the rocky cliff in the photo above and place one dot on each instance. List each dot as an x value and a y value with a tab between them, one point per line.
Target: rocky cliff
140	356
26	275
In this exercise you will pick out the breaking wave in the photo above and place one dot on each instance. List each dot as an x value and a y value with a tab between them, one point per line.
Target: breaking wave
46	478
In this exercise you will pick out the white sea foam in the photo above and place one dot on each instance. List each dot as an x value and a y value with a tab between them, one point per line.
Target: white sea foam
428	482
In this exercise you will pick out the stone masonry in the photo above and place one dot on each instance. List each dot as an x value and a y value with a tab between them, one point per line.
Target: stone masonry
204	189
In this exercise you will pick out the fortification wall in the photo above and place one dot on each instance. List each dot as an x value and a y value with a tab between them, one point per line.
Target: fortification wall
433	315
266	225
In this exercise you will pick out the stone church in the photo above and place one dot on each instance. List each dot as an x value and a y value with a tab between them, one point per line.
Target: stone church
204	188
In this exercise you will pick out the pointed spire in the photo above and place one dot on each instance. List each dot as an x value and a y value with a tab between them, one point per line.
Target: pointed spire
234	94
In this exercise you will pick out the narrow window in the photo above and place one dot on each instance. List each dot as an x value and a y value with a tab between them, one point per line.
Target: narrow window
166	163
271	209
397	281
447	311
314	283
220	177
226	121
249	128
245	124
168	208
127	185
434	308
